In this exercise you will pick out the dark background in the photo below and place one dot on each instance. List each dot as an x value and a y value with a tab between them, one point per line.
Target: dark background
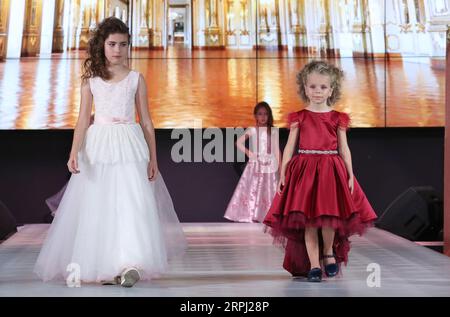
386	162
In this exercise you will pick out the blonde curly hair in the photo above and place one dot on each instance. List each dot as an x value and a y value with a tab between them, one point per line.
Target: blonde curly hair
323	68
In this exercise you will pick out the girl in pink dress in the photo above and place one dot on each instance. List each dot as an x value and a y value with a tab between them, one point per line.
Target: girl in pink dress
256	188
319	204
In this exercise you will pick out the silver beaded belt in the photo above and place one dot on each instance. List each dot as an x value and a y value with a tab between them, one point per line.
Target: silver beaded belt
318	152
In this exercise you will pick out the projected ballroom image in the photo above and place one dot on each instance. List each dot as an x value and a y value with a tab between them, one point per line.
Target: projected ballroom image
206	57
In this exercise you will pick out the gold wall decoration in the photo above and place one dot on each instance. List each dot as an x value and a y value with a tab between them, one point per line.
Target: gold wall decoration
362	30
213	34
85	23
420	16
405	12
243	14
345	15
448	35
326	29
297	26
269	23
419	11
361	13
58	32
150	13
230	18
236	23
32	28
265	11
144	14
4	19
297	16
144	27
156	23
211	13
93	21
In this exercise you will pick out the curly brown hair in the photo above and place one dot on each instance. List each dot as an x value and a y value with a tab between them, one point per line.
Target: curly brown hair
95	63
323	68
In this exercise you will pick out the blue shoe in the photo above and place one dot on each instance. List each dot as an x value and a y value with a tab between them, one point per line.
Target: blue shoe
331	270
315	275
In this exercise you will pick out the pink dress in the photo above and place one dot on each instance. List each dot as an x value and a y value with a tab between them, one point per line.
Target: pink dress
257	187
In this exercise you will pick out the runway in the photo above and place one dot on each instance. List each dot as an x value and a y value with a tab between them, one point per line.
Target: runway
230	259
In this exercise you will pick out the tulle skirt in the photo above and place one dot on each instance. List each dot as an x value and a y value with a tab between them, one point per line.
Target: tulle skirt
316	195
110	216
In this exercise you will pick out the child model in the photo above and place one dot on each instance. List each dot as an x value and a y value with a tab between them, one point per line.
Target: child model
257	187
319	203
115	222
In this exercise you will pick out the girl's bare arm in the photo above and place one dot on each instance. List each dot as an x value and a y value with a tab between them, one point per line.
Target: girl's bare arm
84	118
144	118
344	151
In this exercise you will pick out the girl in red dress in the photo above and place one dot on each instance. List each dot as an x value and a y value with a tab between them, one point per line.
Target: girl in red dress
319	204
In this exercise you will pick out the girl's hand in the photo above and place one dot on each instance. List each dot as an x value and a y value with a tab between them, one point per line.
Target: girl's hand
152	170
72	164
252	156
280	184
351	184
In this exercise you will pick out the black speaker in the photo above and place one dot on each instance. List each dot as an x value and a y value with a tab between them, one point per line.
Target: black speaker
7	222
417	215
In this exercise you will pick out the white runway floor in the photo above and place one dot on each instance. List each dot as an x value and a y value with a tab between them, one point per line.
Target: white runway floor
239	260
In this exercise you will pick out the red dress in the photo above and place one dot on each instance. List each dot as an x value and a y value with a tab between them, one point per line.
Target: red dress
316	193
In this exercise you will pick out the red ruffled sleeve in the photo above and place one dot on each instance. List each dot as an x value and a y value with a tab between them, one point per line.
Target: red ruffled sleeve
344	121
295	118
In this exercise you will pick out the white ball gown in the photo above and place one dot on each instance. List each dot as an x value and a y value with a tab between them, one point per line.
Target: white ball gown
111	217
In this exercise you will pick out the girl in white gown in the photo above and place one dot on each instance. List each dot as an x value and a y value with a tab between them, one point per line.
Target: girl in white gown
116	221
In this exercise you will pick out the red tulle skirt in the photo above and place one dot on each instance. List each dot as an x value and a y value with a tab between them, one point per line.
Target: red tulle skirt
316	194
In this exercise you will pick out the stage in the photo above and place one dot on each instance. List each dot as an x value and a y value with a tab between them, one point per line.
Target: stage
232	259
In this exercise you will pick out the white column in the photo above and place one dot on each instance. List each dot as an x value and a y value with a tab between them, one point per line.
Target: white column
73	22
190	23
422	40
252	20
376	20
187	24
136	22
164	16
66	25
311	24
222	19
48	18
200	14
437	21
334	22
344	39
425	39
15	29
392	27
283	18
